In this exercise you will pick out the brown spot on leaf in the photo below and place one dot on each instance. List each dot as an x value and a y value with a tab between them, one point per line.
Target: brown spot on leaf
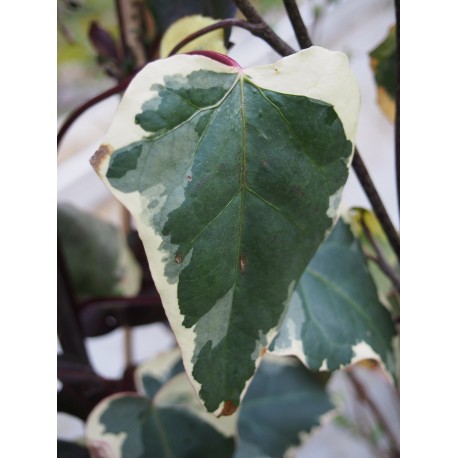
228	409
242	263
263	352
100	155
189	178
368	363
178	259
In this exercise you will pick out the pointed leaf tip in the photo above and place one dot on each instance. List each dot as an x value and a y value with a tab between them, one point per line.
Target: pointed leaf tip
228	409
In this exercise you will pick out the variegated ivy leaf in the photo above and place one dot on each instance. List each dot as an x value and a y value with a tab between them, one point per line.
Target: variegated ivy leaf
233	177
178	392
128	425
163	378
151	375
335	316
97	256
282	405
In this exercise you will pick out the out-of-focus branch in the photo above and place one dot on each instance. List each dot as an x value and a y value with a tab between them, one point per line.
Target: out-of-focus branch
299	27
90	103
265	32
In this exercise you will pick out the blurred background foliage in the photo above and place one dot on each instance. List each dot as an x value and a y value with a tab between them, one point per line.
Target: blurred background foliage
78	74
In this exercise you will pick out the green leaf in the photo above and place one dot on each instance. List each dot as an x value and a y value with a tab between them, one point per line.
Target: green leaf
131	426
151	375
179	392
96	254
284	402
335	317
233	178
163	378
385	65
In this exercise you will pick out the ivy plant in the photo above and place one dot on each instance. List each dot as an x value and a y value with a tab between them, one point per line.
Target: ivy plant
234	177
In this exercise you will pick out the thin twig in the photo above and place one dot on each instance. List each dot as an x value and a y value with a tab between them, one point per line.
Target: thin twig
299	27
122	28
131	11
386	268
90	103
128	350
363	395
210	28
376	202
265	32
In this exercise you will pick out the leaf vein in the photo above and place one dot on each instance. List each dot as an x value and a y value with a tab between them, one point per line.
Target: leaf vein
366	318
210	107
273	206
288	125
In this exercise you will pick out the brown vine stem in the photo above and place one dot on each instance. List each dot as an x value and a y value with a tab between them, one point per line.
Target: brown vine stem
74	115
363	395
131	12
386	268
122	28
379	209
358	164
265	32
299	27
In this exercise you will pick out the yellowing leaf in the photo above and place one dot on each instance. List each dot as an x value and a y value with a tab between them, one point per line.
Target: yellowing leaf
213	41
386	103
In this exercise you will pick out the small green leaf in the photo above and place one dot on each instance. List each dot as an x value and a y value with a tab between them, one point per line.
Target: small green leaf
233	177
335	316
385	64
96	255
284	402
131	426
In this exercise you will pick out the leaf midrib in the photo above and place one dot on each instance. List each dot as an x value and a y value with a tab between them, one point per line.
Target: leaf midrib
244	185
